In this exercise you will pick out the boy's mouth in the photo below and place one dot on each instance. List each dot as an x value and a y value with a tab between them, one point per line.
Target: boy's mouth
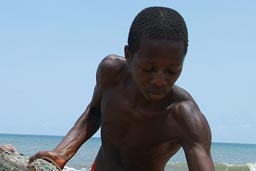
156	94
157	91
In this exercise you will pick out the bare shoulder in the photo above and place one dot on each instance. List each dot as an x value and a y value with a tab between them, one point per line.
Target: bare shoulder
190	121
110	70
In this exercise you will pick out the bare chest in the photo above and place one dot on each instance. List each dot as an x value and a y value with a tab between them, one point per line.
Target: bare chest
136	136
134	127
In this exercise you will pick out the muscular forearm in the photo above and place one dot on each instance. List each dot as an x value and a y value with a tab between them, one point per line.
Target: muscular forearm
84	128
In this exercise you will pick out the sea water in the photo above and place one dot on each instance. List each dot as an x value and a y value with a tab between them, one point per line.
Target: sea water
226	156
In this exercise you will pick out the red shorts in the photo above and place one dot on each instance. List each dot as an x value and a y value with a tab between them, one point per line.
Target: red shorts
93	167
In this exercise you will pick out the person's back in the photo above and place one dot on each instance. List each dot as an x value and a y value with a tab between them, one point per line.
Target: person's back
144	117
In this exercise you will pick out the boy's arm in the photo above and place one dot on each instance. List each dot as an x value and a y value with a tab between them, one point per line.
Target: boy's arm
90	121
87	125
195	136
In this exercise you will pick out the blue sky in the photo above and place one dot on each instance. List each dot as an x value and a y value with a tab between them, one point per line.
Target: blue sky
49	52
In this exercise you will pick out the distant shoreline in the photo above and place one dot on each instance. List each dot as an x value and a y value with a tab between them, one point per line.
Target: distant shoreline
61	136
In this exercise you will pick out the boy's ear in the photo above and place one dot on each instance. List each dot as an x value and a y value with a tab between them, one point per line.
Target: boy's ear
127	54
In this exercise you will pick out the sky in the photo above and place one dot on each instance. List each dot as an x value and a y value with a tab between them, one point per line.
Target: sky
50	50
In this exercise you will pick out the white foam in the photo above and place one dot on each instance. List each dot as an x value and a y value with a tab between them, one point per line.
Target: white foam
252	166
72	169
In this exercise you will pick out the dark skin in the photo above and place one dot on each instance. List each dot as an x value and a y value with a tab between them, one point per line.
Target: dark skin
144	117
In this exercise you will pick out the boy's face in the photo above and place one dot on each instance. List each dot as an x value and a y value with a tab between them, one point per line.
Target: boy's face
156	66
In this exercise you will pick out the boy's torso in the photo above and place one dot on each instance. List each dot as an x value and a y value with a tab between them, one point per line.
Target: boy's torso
135	136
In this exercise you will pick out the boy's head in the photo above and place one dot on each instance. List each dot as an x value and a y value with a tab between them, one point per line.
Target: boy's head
157	45
157	23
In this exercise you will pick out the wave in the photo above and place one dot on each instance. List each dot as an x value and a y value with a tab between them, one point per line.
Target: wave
183	166
72	169
218	167
235	167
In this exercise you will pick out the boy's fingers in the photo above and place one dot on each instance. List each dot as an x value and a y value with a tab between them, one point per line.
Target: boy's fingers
31	159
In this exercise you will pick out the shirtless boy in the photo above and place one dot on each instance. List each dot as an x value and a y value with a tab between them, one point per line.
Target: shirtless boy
144	117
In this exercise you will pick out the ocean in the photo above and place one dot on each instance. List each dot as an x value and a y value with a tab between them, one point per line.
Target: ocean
226	156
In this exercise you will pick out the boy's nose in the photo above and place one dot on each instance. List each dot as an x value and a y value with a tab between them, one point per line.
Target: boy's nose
159	80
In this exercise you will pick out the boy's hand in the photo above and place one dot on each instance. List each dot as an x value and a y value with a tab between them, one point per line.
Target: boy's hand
49	156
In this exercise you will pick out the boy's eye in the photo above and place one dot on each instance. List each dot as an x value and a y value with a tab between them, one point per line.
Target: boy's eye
171	71
149	69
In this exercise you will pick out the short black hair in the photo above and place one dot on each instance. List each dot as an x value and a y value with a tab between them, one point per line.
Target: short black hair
157	23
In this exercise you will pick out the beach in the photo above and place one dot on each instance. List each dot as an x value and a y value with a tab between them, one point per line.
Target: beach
226	156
